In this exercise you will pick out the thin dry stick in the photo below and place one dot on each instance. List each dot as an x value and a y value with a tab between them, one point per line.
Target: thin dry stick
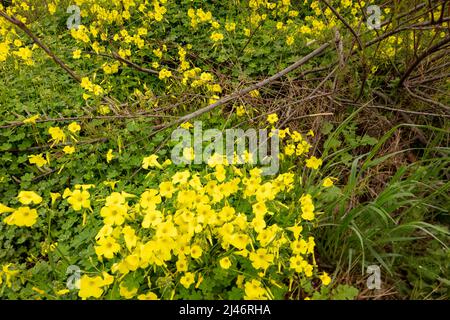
310	95
430	101
395	31
406	118
427	80
49	52
338	15
436	47
36	40
244	91
120	116
133	65
412	112
312	115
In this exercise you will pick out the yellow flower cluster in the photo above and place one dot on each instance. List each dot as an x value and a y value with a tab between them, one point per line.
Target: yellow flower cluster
89	86
227	212
57	136
23	216
199	16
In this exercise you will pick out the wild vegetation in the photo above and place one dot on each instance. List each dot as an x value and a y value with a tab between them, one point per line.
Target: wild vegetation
92	205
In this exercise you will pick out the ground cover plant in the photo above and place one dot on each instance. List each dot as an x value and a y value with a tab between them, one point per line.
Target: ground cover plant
93	204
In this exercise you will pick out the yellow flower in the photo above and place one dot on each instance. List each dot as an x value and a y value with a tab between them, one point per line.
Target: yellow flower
97	90
114	214
40	291
313	163
188	153
261	259
325	278
25	54
297	263
196	251
79	199
230	26
76	54
55	196
289	149
254	93
216	36
52	8
299	246
186	125
296	230
225	263
107	247
38	160
328	182
307	207
187	280
148	296
66	193
62	292
181	177
10	274
240	111
57	134
4	209
129	235
22	217
181	264
150	198
272	118
254	290
27	197
158	53
164	73
240	240
4	50
109	156
289	40
74	127
166	189
31	119
69	149
127	293
151	161
90	287
259	208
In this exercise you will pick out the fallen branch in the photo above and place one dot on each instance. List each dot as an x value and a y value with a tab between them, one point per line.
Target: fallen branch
312	116
36	40
426	100
347	25
436	47
247	90
411	112
133	65
49	52
120	116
